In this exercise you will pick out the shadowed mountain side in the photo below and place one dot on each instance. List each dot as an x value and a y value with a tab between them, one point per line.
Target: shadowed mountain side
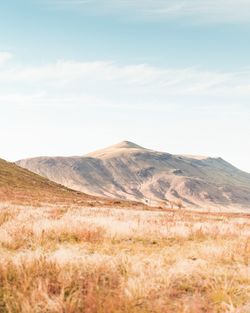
128	171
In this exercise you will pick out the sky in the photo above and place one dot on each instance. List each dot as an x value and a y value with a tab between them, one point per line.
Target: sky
79	75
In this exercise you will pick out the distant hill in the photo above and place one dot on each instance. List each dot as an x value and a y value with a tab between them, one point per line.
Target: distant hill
128	171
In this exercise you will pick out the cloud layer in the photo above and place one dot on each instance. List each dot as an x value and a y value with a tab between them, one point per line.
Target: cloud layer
4	56
210	11
106	83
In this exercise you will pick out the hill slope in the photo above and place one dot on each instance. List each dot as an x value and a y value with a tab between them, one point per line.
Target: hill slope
129	171
20	185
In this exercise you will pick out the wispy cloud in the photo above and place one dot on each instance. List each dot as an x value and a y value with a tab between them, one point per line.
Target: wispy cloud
215	11
142	77
104	83
4	56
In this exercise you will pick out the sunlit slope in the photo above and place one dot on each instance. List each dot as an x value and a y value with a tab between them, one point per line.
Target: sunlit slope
19	184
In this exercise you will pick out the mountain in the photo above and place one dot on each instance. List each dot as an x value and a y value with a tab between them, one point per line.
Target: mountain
129	171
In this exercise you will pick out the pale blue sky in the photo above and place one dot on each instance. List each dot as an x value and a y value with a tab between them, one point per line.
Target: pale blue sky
79	75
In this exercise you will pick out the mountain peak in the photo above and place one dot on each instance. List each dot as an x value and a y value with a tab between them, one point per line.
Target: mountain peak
127	145
116	149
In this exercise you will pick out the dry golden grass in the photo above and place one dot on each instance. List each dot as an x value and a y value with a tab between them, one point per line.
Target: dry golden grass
61	259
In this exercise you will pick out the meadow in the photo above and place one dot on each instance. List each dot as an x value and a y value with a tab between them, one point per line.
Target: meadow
76	259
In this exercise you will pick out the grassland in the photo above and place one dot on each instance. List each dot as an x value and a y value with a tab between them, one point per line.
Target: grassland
75	259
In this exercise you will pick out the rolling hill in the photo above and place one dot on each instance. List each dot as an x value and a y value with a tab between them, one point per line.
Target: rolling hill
20	185
128	171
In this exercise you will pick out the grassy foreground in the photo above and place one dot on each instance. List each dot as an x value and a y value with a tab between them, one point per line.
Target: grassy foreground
62	259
